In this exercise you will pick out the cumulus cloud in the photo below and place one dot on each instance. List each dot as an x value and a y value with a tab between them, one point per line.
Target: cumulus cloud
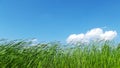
33	41
96	34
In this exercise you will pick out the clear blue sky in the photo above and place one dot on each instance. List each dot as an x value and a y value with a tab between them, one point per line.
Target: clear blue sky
49	20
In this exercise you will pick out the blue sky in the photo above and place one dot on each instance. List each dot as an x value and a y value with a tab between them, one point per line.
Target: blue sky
49	20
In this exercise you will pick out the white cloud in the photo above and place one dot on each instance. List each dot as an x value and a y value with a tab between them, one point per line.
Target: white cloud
109	35
33	41
96	34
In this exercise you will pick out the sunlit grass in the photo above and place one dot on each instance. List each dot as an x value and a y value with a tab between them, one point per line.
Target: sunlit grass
52	55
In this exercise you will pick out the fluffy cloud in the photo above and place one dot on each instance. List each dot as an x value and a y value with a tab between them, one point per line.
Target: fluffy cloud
96	34
33	41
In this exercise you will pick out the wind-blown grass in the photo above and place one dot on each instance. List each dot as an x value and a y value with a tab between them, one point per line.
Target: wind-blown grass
20	55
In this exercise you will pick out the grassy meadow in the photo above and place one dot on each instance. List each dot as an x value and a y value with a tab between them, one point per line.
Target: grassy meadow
54	55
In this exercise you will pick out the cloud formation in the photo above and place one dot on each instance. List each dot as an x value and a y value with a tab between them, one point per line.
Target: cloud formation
96	34
33	41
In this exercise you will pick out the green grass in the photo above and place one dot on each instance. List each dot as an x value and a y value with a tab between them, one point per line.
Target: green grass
52	55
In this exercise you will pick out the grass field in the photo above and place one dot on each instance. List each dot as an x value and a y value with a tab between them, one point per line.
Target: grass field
52	55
